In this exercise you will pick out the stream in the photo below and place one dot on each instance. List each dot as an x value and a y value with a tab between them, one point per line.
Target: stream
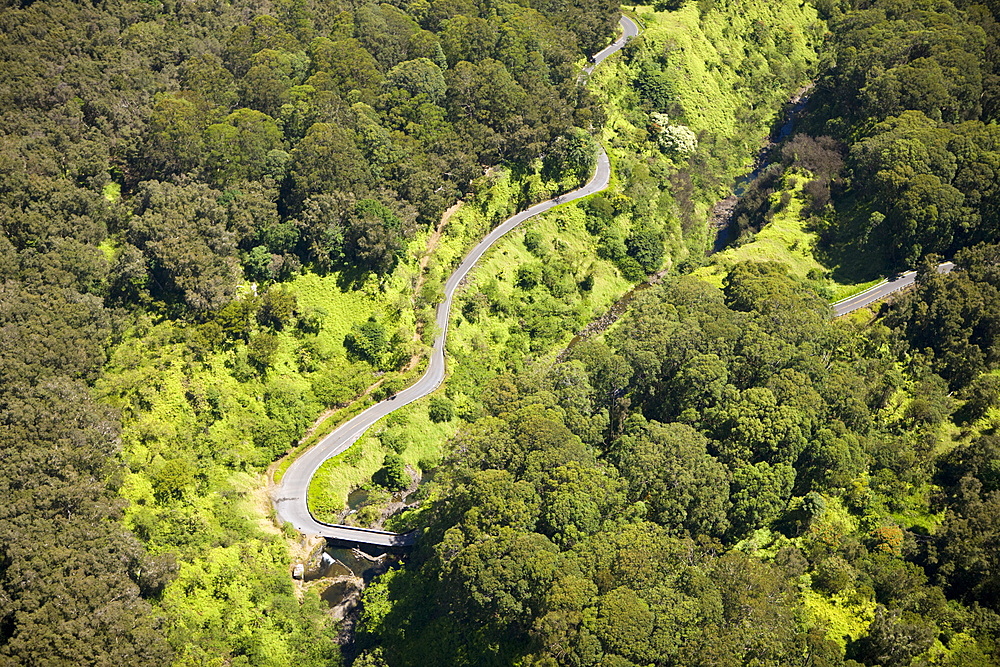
341	574
723	210
718	218
340	562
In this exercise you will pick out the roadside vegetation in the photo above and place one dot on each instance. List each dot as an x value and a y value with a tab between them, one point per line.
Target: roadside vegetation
212	224
220	222
727	477
547	280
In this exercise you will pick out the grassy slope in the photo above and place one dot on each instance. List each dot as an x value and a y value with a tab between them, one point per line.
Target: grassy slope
354	468
577	247
709	64
785	240
482	343
160	385
730	71
704	57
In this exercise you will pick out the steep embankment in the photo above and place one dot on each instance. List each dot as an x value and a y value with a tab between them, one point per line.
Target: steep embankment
536	289
690	104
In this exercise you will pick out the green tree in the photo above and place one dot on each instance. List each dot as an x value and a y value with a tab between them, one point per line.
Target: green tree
373	236
277	308
237	148
499	580
392	475
572	153
346	65
184	230
893	639
575	499
261	350
760	493
173	142
669	469
327	160
418	77
625	623
440	409
206	75
368	340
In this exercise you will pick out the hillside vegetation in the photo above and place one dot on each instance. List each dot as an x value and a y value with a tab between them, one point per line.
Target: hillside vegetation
219	220
729	478
689	104
899	141
211	217
535	291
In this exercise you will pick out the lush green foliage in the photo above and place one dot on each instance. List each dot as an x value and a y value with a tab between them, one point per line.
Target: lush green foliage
908	91
75	584
725	478
688	105
155	156
953	320
729	478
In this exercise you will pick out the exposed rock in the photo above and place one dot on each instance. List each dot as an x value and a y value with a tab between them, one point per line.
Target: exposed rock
316	563
361	555
722	212
348	589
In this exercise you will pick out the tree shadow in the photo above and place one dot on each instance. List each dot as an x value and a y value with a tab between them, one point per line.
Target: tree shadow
351	278
847	250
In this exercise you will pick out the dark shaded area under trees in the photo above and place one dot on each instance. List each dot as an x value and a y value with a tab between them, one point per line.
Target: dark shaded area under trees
153	156
664	497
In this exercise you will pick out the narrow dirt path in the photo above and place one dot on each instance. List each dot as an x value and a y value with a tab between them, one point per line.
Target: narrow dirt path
432	243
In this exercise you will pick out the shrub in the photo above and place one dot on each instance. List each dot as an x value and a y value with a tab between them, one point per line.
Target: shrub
834	574
367	341
392	475
533	241
394	440
529	275
261	350
440	410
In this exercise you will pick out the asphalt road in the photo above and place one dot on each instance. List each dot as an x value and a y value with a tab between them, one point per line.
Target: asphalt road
290	499
882	290
629	30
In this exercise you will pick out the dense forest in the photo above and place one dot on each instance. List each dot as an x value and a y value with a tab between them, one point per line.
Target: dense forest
729	478
212	215
901	141
157	156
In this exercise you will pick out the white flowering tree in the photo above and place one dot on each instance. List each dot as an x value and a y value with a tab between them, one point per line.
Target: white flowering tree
677	140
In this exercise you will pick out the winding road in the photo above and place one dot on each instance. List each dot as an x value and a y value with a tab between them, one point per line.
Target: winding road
882	290
291	497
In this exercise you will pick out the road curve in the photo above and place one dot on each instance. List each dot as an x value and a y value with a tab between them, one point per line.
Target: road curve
290	499
629	30
882	290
